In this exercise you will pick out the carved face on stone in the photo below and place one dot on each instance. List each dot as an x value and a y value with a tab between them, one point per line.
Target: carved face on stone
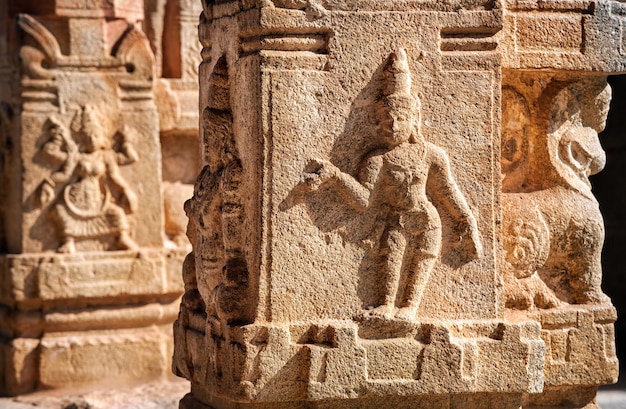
93	141
92	134
56	130
578	114
397	119
580	149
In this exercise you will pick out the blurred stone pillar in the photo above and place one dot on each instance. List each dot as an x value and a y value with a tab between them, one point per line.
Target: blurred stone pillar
394	209
88	289
172	28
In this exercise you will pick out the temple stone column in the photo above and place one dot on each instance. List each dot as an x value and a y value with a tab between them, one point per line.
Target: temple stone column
87	287
555	101
394	208
172	28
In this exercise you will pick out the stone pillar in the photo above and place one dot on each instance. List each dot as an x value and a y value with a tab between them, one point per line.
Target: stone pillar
172	29
556	57
394	209
87	290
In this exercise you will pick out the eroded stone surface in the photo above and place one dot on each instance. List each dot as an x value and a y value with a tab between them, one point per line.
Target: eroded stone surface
163	394
394	207
87	287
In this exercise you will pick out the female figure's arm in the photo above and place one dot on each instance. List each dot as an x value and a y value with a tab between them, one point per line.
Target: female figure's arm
127	154
62	149
113	172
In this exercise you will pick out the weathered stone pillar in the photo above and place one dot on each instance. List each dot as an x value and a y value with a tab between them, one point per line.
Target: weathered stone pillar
556	57
87	289
394	208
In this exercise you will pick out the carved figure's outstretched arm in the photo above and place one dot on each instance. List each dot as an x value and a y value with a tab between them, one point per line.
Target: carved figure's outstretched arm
442	186
113	172
323	171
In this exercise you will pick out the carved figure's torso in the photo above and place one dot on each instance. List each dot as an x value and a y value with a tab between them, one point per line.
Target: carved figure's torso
401	183
87	195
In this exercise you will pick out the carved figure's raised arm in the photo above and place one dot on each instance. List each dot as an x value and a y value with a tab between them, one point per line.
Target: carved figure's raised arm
61	149
54	150
443	189
127	154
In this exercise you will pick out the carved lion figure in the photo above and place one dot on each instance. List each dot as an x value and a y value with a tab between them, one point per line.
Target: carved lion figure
552	226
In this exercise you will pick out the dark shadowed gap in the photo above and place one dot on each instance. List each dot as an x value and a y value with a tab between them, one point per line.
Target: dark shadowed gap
609	187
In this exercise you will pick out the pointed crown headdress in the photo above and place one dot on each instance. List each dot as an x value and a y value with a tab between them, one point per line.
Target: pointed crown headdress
396	89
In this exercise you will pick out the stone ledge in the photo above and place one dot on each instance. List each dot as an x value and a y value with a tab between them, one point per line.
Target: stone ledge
29	280
57	360
163	394
281	364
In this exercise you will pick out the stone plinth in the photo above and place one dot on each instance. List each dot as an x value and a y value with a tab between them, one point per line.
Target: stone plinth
394	208
87	286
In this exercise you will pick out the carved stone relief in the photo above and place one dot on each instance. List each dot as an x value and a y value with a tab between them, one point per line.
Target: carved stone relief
352	243
88	288
171	26
314	8
81	190
408	181
217	203
550	147
47	51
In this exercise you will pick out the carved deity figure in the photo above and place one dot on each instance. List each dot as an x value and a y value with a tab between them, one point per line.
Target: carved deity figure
85	207
398	179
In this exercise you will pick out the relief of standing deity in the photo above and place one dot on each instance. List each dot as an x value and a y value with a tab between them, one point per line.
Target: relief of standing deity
218	197
82	189
399	179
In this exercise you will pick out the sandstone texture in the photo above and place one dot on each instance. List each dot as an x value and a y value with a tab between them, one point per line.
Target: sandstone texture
95	171
394	207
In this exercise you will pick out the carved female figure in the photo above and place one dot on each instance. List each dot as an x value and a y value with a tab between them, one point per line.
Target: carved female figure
84	206
398	179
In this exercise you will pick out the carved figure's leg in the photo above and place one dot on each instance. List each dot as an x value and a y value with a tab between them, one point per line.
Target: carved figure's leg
116	218
65	222
125	241
211	261
585	278
69	246
419	264
392	248
515	293
543	297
